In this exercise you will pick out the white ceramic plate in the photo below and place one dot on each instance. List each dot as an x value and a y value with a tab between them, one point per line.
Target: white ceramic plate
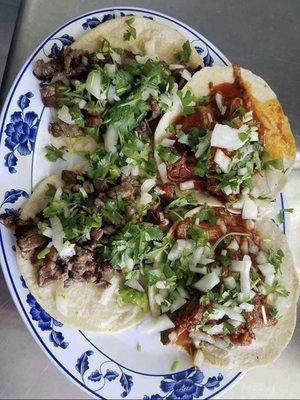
106	366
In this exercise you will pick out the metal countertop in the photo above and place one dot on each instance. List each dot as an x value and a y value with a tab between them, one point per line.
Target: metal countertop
262	35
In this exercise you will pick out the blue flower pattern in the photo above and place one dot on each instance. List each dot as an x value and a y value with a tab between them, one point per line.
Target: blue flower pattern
20	132
100	377
46	322
187	385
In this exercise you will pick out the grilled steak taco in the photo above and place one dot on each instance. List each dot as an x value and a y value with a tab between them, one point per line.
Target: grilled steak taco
229	137
226	288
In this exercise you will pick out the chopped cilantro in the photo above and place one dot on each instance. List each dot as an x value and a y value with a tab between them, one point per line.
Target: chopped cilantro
167	155
53	153
113	211
229	327
275	258
198	235
51	190
277	289
185	54
207	214
132	296
42	254
175	366
185	198
187	101
281	214
131	31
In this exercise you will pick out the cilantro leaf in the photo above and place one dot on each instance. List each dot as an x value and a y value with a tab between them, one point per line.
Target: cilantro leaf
113	211
131	31
167	155
275	258
281	214
132	296
187	101
207	214
198	235
277	289
51	190
53	153
185	198
229	327
185	54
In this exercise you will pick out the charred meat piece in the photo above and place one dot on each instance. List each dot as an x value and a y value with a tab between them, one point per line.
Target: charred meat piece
73	63
10	221
169	191
48	273
50	94
29	240
126	191
93	121
60	128
44	70
69	177
203	118
182	170
181	230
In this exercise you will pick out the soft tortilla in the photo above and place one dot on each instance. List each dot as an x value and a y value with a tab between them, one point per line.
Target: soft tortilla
279	140
153	39
270	341
82	305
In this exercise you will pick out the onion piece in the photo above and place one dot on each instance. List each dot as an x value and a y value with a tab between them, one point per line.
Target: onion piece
222	160
247	307
167	142
233	245
145	198
64	115
111	139
155	325
177	303
148	184
186	75
134	284
58	194
162	168
221	107
198	359
225	137
68	250
57	233
216	329
207	282
229	282
94	84
187	185
250	210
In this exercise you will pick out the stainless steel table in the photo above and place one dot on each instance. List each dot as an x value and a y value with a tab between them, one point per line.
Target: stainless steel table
263	35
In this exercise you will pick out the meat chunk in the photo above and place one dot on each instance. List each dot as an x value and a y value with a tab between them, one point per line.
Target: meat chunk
60	128
49	94
155	109
203	118
43	70
48	273
126	191
169	191
73	63
10	221
69	177
97	233
182	170
181	230
93	121
29	241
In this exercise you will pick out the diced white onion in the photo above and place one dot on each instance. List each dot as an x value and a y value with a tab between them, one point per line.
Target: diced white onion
134	284
268	272
159	191
116	57
245	297
135	170
253	248
94	84
58	194
242	171
244	275
221	107
198	359
176	66
225	137
167	142
222	160
110	70
145	198
216	314
187	185
184	244
149	92
254	137
81	103
111	95
83	192
162	168
233	245
158	324
183	293
174	253
177	303
229	282
227	190
68	250
216	329
247	307
264	315
64	115
207	282
201	336
148	184
261	257
111	138
232	314
48	232
57	233
186	75
250	210
173	337
247	117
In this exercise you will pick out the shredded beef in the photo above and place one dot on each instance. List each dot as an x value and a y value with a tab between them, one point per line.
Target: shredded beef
43	70
93	121
69	177
48	273
182	170
169	191
126	190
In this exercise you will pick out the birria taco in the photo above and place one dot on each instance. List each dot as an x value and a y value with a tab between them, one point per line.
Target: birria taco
226	288
229	138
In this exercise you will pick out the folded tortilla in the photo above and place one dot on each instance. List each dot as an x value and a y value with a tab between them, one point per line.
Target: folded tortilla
270	341
82	305
279	141
153	39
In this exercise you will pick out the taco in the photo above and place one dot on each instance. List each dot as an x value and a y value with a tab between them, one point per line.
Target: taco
229	138
226	288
